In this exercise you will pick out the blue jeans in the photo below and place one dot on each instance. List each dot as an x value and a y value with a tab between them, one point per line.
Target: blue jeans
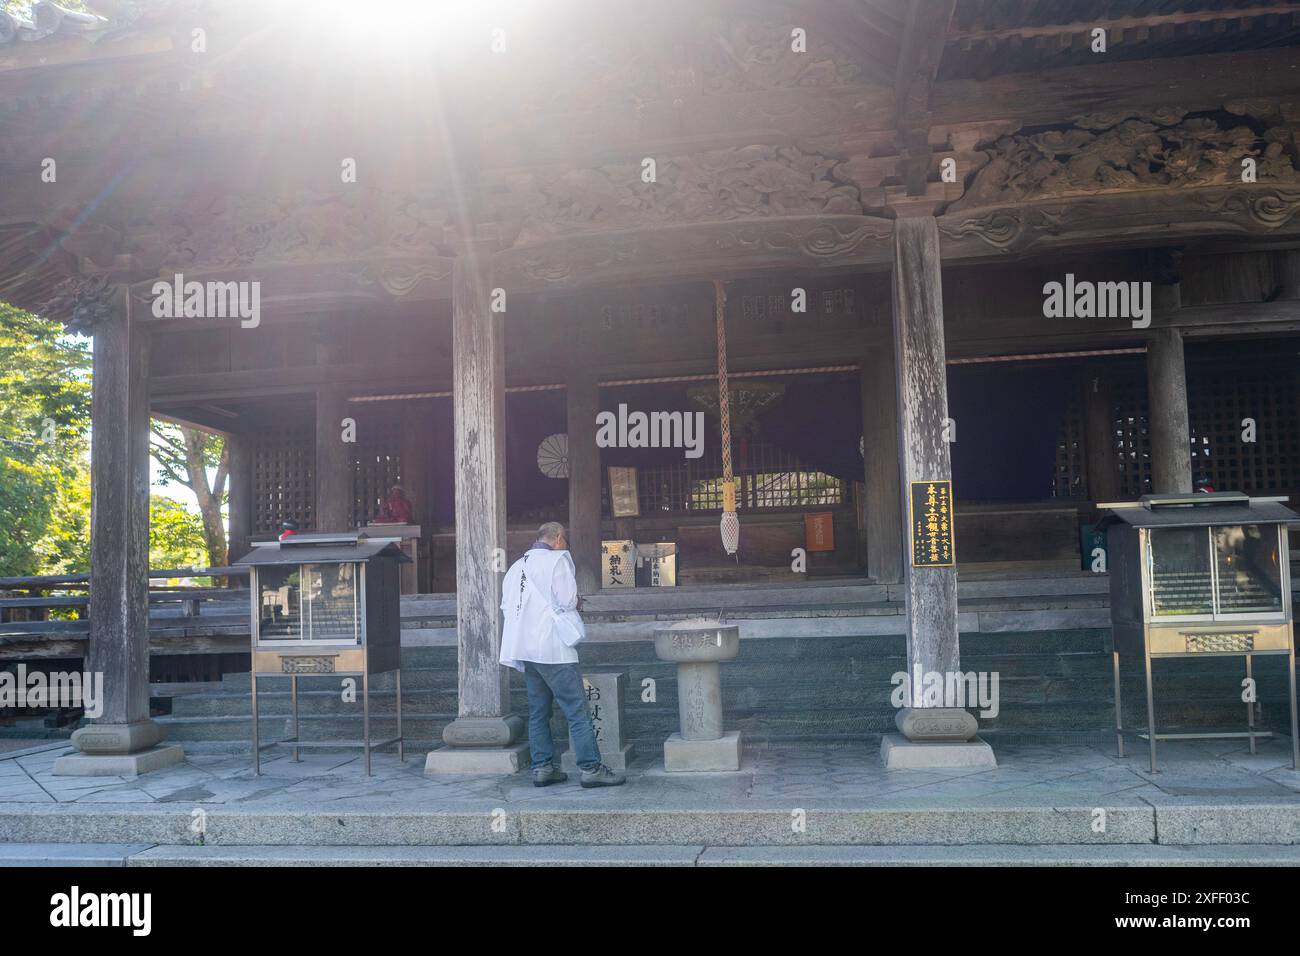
547	684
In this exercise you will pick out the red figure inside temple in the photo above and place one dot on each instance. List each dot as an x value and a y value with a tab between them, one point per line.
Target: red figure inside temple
397	507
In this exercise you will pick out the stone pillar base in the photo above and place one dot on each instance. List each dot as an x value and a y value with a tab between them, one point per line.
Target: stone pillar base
477	760
117	738
899	753
936	723
118	765
613	759
722	754
479	732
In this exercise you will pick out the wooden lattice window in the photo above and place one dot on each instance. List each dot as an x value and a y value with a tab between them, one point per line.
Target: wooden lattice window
1132	440
284	479
1218	401
376	467
1071	464
770	478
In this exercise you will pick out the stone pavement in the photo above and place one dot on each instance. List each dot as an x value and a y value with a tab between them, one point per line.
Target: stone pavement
819	803
830	776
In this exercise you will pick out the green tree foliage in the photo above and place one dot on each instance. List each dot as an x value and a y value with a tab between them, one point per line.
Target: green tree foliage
184	456
65	546
45	460
44	421
175	535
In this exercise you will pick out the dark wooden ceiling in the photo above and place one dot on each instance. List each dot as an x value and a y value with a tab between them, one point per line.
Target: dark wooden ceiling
993	37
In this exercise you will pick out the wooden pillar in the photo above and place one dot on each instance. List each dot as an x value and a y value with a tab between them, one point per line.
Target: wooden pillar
930	592
1167	419
582	402
1099	435
482	737
240	452
333	462
880	464
122	739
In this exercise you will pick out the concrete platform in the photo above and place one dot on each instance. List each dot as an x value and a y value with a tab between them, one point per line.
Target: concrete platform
1213	801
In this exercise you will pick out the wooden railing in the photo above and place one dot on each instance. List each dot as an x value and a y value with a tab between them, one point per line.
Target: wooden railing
46	616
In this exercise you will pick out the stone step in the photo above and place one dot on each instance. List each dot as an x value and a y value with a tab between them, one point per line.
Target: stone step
421	730
144	855
828	648
862	665
772	690
979	855
574	820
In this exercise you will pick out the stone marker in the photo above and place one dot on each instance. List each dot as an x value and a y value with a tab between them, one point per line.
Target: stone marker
606	691
697	646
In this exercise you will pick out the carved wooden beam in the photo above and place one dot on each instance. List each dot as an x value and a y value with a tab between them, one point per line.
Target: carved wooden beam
313	288
1121	23
918	62
698	250
1133	218
1191	83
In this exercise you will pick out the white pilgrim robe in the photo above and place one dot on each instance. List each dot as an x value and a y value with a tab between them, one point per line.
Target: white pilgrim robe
538	582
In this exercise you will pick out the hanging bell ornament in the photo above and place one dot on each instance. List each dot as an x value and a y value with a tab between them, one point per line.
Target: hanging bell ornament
730	522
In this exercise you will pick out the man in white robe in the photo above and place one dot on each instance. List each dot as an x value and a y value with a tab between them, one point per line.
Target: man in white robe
539	587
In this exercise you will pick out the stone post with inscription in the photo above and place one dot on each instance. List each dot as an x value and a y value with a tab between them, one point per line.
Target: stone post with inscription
932	734
697	646
606	691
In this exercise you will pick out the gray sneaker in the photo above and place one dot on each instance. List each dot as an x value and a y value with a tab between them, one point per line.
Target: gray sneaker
602	776
546	775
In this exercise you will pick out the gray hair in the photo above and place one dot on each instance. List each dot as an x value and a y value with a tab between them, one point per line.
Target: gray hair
550	531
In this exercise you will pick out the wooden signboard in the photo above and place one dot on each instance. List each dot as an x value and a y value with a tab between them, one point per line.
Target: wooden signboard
819	531
617	564
930	517
623	502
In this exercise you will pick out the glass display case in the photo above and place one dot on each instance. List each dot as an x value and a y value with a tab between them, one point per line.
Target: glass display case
326	604
1200	575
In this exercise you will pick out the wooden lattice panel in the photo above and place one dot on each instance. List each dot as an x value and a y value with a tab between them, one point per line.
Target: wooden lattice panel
1071	480
1132	440
1218	402
376	467
770	478
284	479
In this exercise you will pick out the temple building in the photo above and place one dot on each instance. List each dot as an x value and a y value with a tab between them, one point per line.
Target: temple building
631	269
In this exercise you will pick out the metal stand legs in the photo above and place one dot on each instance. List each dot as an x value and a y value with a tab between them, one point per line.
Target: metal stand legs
1252	733
367	745
1119	724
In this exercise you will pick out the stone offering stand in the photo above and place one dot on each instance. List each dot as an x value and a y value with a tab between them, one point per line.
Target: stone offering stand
697	646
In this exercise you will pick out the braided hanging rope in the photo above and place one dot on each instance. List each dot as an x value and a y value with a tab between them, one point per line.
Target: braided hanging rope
730	526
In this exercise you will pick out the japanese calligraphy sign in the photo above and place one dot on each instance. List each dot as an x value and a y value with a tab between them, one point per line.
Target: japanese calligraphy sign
623	501
930	516
819	531
617	564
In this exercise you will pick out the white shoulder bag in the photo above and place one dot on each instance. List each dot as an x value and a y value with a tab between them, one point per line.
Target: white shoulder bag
568	626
